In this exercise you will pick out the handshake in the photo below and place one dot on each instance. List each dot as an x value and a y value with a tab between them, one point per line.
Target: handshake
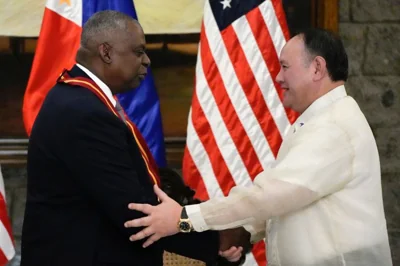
172	184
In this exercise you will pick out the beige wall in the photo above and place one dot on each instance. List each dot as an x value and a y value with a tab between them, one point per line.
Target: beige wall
24	17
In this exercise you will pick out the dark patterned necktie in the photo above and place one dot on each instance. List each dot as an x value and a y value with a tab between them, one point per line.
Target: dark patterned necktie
120	111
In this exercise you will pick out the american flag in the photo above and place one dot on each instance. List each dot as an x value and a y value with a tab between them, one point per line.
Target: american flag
237	120
7	250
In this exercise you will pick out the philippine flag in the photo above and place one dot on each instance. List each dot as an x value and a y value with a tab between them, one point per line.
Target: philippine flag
56	49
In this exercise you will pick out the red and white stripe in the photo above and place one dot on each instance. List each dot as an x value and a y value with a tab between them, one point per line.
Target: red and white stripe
7	250
237	120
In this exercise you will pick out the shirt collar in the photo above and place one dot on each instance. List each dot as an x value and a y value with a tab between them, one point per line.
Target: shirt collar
100	83
321	103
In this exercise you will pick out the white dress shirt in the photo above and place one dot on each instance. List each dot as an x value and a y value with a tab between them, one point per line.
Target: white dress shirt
100	83
321	202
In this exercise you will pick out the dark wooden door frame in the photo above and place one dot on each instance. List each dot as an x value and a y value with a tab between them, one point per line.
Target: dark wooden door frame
325	14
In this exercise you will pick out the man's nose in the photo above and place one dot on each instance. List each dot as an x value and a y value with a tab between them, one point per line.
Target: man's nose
146	61
279	77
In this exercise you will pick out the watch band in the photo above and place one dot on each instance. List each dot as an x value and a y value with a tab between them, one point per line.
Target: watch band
184	214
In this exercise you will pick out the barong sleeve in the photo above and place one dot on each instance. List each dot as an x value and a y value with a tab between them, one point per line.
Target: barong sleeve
317	164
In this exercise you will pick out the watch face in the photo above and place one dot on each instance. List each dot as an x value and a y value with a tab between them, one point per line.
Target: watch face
184	226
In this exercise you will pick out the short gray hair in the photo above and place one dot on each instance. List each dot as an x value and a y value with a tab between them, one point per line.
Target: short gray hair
100	27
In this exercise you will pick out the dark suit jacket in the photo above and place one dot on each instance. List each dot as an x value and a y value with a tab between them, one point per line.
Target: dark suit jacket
84	167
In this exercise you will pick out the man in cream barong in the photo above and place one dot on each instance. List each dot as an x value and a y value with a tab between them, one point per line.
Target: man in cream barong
321	202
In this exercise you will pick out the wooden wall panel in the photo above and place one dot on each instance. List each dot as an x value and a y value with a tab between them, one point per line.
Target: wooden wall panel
175	87
14	73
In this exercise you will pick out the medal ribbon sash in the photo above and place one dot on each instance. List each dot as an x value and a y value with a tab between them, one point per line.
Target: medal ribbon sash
93	87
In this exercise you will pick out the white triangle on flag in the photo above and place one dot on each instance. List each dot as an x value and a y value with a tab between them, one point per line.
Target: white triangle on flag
69	9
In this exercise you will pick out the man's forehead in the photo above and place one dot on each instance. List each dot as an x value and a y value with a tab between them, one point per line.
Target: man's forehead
135	34
293	46
134	26
283	55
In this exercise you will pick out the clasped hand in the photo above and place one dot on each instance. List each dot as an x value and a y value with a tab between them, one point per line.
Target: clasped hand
162	221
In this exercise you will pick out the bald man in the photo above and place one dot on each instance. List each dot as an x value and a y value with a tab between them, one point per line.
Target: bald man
87	161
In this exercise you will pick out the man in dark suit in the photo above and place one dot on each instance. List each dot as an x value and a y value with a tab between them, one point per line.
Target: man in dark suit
86	163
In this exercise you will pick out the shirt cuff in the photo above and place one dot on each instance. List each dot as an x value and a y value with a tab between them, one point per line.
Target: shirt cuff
254	235
196	218
249	228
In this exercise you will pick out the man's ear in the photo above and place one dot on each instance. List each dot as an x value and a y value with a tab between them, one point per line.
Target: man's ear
105	52
319	68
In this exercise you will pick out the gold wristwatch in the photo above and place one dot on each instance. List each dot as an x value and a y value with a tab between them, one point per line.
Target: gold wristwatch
184	224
